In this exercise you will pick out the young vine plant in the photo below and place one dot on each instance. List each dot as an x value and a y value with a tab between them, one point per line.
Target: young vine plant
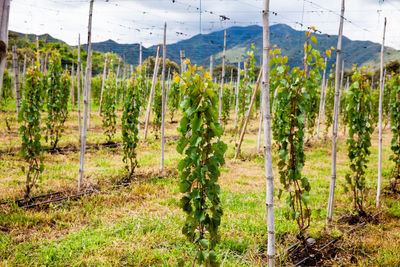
359	140
226	105
57	87
130	121
292	105
157	109
29	117
108	108
173	100
203	153
395	121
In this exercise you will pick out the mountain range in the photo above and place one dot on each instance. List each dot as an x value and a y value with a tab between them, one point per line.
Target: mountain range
199	48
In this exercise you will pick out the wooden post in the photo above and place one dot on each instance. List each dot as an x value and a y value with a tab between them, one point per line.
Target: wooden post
381	88
23	71
103	83
90	96
259	128
222	80
335	118
123	86
237	95
211	66
163	97
4	15
116	81
269	175
183	65
151	95
45	62
37	49
16	78
86	97
253	97
78	75
322	101
72	86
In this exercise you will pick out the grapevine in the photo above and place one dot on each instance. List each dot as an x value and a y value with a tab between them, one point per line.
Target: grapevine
29	117
130	121
359	140
109	107
395	121
203	153
57	93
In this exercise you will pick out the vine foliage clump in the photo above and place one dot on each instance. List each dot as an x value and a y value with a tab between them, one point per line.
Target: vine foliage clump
29	117
395	123
130	121
359	141
203	153
57	92
108	109
292	107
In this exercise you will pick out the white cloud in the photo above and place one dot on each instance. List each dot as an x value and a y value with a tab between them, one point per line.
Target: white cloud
127	21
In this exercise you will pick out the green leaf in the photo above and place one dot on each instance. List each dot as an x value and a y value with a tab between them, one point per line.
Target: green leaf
204	243
184	186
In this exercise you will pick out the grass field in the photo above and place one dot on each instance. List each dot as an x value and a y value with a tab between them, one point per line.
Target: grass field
140	225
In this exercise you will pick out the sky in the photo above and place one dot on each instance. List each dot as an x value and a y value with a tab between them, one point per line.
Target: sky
134	21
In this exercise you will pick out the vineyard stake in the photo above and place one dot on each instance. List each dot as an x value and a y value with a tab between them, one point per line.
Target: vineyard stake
88	79
16	77
335	118
322	102
222	80
151	95
253	97
103	82
269	175
381	85
163	97
5	11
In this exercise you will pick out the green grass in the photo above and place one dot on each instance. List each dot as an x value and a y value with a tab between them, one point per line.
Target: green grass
140	225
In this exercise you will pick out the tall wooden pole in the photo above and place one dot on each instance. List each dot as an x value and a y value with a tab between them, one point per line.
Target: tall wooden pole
37	49
183	66
4	15
335	118
123	85
73	86
23	71
78	75
322	101
381	88
163	97
116	81
260	125
253	97
90	96
103	83
88	80
151	95
267	139
16	77
222	80
237	95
